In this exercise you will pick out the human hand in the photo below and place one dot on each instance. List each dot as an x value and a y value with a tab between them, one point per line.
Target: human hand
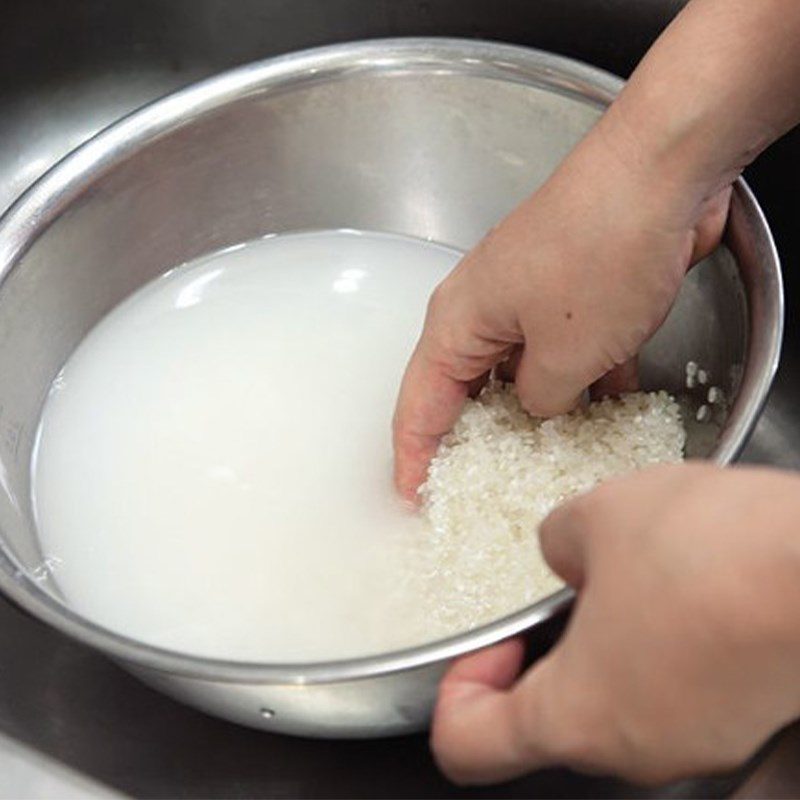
682	653
570	285
582	273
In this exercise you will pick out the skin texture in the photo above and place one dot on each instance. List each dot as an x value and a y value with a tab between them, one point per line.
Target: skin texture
580	275
533	291
682	653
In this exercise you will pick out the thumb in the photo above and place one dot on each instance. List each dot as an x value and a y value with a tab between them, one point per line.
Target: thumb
484	730
473	737
450	360
562	541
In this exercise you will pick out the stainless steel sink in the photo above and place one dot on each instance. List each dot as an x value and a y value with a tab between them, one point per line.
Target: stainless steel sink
68	69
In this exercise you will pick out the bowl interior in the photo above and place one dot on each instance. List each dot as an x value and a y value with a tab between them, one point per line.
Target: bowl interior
432	152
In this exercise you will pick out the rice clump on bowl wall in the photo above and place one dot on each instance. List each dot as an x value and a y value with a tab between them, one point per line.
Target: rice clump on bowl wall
501	471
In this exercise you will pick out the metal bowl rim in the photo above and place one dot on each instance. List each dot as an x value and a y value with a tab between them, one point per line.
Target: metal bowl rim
46	199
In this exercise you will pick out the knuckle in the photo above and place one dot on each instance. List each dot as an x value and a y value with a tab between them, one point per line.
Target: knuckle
568	361
444	335
552	362
440	330
440	299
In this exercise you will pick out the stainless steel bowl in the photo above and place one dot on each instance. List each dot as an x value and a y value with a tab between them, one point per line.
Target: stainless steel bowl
429	137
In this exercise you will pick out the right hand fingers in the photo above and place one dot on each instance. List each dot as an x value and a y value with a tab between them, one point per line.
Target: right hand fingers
544	392
450	356
429	404
621	379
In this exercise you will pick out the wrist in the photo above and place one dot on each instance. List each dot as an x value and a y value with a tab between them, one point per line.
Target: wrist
674	153
643	177
715	90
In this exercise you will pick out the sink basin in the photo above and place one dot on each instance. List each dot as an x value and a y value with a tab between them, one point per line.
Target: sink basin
70	69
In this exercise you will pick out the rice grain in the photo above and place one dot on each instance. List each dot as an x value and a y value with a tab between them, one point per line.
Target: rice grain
497	476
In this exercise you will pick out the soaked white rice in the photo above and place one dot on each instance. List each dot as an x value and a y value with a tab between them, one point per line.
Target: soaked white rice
498	475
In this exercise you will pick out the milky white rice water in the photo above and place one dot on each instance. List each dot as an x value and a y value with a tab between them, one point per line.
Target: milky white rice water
213	467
